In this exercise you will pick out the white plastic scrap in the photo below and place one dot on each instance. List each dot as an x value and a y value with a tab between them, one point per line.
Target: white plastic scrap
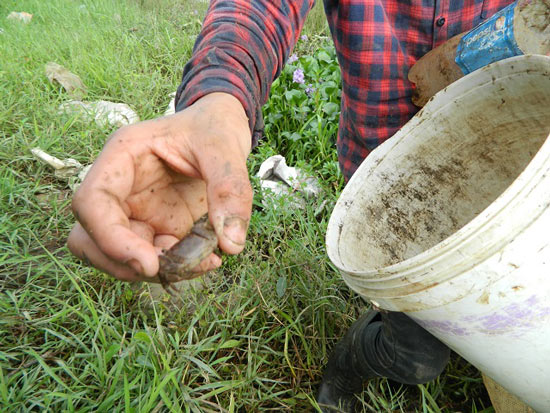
68	169
103	112
21	16
282	180
63	169
70	82
171	109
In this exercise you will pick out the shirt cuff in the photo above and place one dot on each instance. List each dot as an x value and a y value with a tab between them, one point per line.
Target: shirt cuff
201	80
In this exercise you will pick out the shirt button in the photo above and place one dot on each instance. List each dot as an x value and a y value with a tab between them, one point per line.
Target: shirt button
440	22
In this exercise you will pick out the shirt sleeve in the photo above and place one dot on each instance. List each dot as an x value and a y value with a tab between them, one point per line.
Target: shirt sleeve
241	49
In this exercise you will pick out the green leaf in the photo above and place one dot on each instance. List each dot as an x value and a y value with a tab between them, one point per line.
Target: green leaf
294	96
142	336
328	89
143	360
128	294
273	117
324	56
111	351
310	64
230	344
295	137
331	108
281	286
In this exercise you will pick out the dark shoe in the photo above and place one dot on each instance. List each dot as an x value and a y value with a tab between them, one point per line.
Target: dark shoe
388	344
346	371
338	387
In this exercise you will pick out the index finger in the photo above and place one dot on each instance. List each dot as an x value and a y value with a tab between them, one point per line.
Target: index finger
99	206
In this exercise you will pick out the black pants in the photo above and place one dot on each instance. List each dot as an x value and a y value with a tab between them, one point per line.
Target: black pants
392	345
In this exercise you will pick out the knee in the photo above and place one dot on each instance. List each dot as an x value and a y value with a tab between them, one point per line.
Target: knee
428	366
418	356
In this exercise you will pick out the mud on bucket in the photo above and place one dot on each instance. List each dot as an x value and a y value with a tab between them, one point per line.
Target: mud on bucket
448	221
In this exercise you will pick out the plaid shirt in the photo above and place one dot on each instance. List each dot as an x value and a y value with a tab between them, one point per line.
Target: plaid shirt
244	44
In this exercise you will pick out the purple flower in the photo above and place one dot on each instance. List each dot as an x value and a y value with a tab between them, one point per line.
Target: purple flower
298	76
293	57
310	90
304	37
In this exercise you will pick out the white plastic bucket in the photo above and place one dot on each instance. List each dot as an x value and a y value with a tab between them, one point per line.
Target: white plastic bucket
448	221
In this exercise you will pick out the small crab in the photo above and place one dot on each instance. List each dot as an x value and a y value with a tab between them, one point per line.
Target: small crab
177	263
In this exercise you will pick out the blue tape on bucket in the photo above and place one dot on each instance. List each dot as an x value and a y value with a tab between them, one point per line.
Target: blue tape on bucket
489	42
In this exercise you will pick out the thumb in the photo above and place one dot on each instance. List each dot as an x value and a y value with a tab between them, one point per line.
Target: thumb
220	142
229	197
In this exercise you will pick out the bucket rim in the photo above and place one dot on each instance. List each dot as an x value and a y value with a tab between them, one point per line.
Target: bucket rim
414	269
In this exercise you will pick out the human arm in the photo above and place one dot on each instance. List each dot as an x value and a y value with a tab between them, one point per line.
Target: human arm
153	179
242	48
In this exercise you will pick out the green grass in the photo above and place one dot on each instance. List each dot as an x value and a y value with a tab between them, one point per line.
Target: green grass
257	336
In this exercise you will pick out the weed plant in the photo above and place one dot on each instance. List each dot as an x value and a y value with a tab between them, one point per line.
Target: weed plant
256	336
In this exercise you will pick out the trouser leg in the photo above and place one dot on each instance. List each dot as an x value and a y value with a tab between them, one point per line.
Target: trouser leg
398	348
388	344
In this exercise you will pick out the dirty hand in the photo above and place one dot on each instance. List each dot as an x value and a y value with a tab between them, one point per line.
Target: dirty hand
155	178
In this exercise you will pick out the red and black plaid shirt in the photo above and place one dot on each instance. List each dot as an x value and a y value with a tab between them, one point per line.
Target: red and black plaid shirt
244	44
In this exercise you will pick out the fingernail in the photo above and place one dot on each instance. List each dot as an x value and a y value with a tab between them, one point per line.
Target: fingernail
234	228
135	265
